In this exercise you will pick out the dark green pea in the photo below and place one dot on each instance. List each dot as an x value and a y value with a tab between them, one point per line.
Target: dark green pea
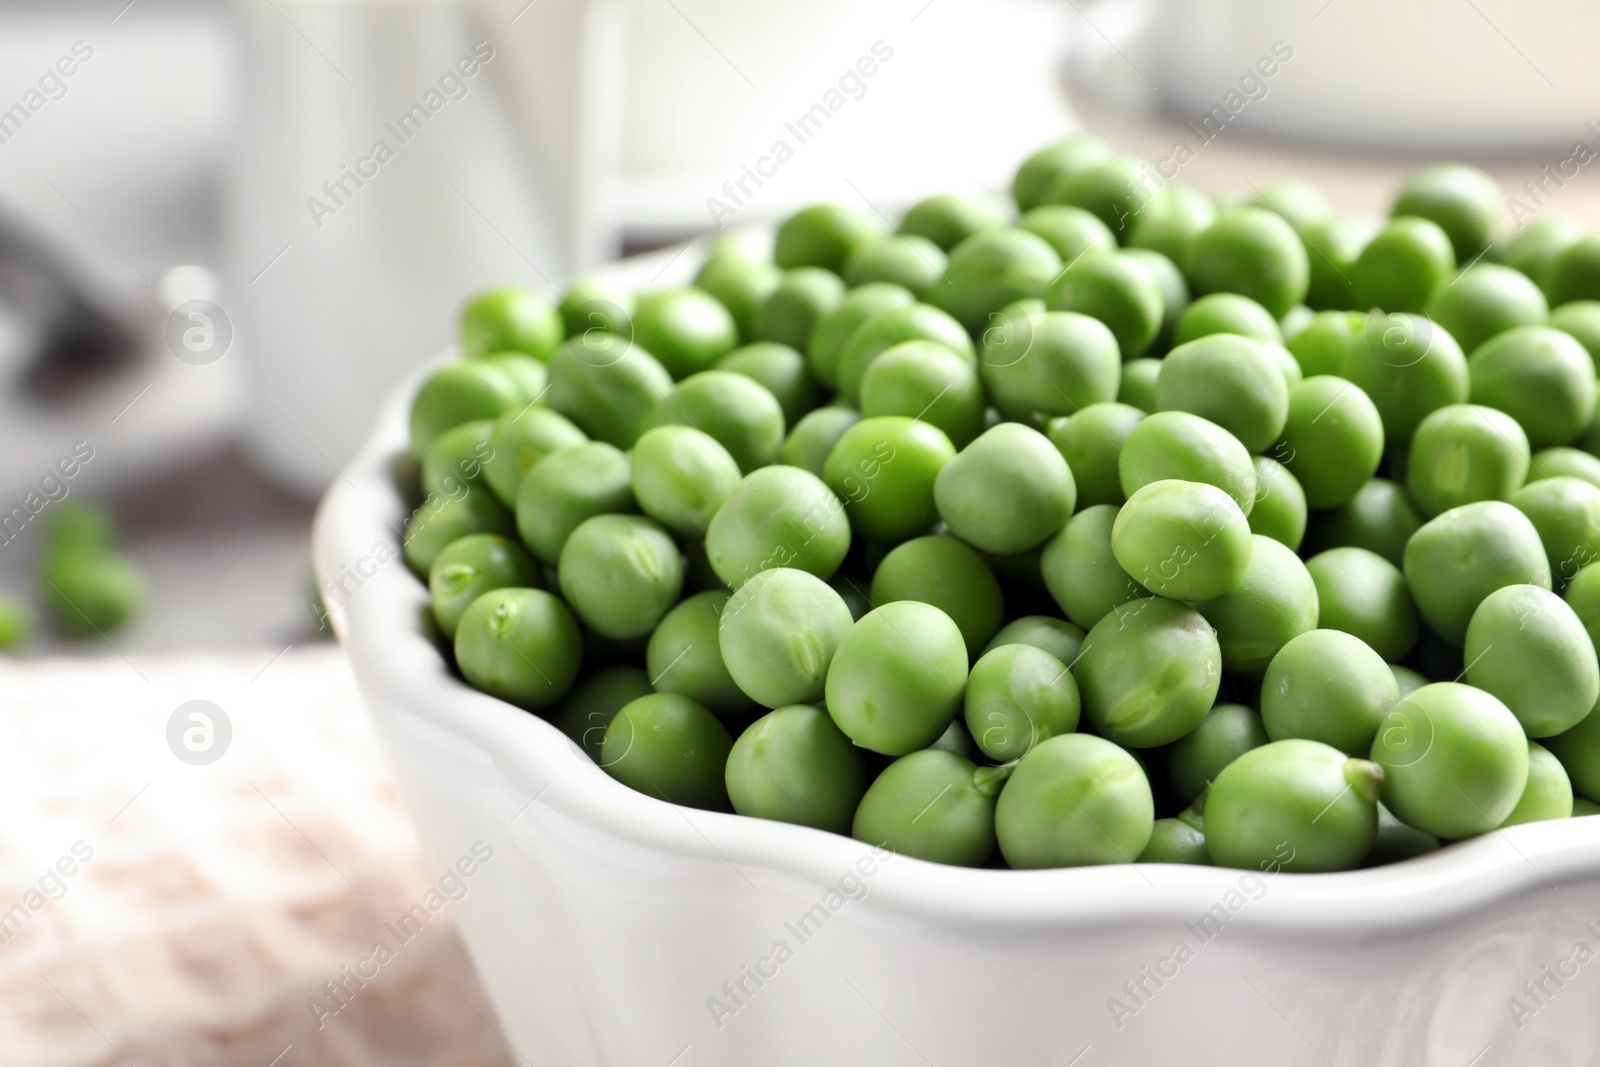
590	304
927	381
1091	442
1148	672
1170	221
459	393
1457	559
1301	804
1578	749
738	412
824	235
94	591
1332	439
1486	300
1018	696
1227	732
1081	570
949	575
1454	759
671	748
834	330
620	574
1566	512
813	437
686	329
1332	248
521	645
885	467
916	322
521	439
471	566
1071	231
778	517
1379	518
441	521
1178	445
927	805
1109	188
1527	647
589	707
782	371
1052	166
1138	386
897	678
1073	801
779	634
1396	841
955	739
793	765
1401	267
740	284
1537	242
457	459
1227	313
1273	603
568	487
913	262
1361	593
1580	319
684	655
946	220
1255	253
1280	509
681	477
1462	200
608	386
1327	686
1541	377
1320	348
1574	272
1006	492
993	268
1548	794
1408	367
1230	381
1407	679
800	301
1117	289
510	320
1175	841
1058	637
16	623
1053	363
1465	453
1582	806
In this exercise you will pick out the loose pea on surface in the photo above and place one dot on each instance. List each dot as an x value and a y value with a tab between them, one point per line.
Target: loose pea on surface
684	655
1465	554
928	805
897	678
778	517
1073	801
793	765
1327	686
1302	804
669	747
1149	672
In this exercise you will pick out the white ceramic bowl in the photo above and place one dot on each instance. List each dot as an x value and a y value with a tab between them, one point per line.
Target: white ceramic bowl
614	929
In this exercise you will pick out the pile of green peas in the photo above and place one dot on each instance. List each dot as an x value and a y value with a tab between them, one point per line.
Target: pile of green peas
1116	528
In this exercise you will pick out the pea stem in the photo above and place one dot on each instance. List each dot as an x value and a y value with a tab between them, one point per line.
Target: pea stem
988	780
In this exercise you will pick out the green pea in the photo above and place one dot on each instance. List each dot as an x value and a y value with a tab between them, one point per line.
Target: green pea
824	235
608	386
814	435
441	521
1148	672
457	394
886	467
94	591
1332	439
1465	453
1299	203
1175	841
1091	442
667	746
800	301
1227	732
1054	363
1541	377
779	634
686	329
1081	570
1527	647
949	575
1227	313
913	262
1582	806
915	322
1301	804
1566	512
681	477
738	412
592	703
1230	381
927	805
740	284
1574	272
1117	289
834	330
1274	602
521	439
16	623
1007	491
778	517
1254	253
946	220
1178	445
620	574
782	371
1280	507
1580	319
78	523
1361	593
897	678
1110	188
1486	300
1457	559
1454	759
955	739
1170	221
1407	679
1578	749
529	377
456	461
1537	242
926	381
1379	518
1052	166
684	656
1396	841
1332	248
1583	596
1018	696
1548	794
793	765
521	645
992	269
1073	801
1173	287
568	487
592	304
471	566
1463	200
1320	348
1401	267
1409	368
1058	637
1327	686
510	320
1138	386
1071	231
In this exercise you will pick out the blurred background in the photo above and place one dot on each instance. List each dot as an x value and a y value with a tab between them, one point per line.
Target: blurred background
227	228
